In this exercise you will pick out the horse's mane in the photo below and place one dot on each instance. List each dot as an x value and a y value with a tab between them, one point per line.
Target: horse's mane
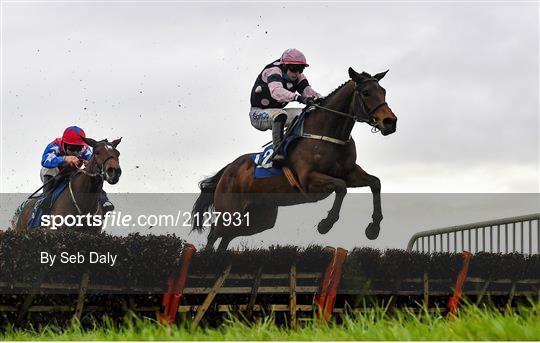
326	98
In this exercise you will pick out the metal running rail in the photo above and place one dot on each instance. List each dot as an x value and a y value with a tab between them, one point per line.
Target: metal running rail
514	234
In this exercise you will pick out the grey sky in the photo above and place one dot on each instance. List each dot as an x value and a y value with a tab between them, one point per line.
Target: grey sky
173	79
463	82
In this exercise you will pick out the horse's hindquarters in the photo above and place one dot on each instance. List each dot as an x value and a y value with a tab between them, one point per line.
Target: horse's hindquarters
22	215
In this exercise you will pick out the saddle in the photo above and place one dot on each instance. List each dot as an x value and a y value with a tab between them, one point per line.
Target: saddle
293	131
45	202
263	161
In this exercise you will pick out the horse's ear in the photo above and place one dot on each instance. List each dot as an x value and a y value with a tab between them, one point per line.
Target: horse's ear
89	141
379	76
116	142
353	75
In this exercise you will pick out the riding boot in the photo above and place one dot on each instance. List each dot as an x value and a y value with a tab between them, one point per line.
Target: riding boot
277	137
48	184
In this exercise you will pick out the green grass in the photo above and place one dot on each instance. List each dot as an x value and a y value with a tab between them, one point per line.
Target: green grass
472	323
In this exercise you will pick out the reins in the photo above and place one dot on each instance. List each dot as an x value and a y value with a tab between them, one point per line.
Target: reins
75	201
336	112
374	129
100	172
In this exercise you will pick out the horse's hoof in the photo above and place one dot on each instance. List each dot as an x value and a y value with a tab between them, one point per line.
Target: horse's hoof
372	231
324	226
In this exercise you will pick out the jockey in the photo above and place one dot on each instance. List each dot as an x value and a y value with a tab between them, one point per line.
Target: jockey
68	151
274	88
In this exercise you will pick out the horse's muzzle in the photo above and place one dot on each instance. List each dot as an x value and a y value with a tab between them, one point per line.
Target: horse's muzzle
112	175
389	126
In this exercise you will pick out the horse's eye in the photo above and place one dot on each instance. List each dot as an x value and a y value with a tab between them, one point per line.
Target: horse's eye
96	152
365	93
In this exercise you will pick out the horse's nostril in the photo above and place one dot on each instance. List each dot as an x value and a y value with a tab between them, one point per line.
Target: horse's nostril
389	122
111	172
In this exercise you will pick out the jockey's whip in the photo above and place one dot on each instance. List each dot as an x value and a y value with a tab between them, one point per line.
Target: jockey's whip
40	188
61	174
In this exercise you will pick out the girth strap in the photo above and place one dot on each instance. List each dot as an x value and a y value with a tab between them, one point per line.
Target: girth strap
321	137
325	138
294	182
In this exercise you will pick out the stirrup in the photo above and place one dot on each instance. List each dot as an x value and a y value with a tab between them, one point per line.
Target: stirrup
278	160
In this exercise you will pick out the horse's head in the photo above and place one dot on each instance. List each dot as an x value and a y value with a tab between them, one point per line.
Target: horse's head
105	156
370	102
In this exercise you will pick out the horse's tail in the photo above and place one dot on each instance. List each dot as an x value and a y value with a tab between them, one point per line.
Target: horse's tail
205	200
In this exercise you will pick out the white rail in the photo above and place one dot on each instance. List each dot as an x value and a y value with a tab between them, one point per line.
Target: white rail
515	234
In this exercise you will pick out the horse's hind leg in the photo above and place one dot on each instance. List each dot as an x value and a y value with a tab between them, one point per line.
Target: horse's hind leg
212	237
359	178
224	243
322	183
261	218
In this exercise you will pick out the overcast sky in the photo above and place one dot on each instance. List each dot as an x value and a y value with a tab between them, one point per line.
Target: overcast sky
174	79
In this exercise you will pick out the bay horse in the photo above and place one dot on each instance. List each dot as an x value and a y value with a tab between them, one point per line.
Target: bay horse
82	195
323	158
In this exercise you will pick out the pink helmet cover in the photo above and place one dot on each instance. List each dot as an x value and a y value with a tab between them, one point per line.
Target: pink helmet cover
293	56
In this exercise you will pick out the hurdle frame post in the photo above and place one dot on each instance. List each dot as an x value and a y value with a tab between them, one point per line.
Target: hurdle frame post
82	294
171	299
453	302
292	295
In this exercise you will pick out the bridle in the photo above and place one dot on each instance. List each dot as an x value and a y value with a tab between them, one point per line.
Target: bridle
368	113
101	170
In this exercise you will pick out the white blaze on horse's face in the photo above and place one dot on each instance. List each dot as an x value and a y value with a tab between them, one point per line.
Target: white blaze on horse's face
111	166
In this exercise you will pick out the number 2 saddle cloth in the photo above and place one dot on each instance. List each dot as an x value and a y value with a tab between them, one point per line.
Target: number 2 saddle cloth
263	160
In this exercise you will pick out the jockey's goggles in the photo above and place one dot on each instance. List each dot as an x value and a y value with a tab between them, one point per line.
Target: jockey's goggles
73	150
296	68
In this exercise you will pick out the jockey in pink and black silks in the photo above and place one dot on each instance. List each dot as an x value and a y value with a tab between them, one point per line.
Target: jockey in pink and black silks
68	151
279	83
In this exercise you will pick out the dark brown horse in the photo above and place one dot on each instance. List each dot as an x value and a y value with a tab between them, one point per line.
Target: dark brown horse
81	196
324	161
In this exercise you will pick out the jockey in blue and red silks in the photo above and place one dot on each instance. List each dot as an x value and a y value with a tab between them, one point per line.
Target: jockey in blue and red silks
68	151
277	85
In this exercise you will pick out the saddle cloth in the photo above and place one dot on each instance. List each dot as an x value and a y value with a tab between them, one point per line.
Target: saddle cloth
37	211
263	160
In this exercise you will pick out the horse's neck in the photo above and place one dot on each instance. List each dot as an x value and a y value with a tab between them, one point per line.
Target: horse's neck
87	188
323	122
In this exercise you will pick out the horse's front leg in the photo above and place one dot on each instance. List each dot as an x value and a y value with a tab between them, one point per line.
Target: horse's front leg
359	178
322	183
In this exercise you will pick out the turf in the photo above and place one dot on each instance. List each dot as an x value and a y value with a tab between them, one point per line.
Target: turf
471	324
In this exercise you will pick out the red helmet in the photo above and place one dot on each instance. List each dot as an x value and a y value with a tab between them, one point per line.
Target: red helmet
72	135
293	56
